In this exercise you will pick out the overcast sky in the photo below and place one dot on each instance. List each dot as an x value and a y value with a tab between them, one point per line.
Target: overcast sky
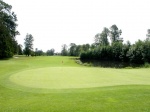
56	22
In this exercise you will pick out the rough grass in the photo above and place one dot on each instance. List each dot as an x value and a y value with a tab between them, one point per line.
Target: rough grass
120	98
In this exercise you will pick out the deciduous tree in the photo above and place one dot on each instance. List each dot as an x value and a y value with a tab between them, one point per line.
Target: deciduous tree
7	31
115	34
50	52
28	44
64	51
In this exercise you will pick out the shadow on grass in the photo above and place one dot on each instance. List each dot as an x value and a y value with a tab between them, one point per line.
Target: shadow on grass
108	64
15	56
4	59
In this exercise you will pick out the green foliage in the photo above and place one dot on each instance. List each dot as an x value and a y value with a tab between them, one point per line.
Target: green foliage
72	49
64	51
76	50
123	55
116	50
99	53
20	52
8	44
85	47
138	53
146	51
28	44
102	38
39	53
115	34
50	52
146	65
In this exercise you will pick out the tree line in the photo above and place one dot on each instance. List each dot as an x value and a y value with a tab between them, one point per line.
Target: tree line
101	49
28	50
8	43
116	50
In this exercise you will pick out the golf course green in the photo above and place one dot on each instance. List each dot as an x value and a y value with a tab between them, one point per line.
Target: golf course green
78	77
59	84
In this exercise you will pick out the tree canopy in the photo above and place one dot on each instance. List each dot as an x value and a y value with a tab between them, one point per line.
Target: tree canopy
102	50
8	32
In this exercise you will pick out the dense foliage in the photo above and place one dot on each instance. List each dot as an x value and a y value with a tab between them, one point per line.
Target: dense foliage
50	52
103	50
136	53
8	44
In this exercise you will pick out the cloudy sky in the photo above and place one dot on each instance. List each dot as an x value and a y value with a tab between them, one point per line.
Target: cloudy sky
56	22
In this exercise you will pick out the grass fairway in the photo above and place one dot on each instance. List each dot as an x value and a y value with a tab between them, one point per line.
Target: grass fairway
58	84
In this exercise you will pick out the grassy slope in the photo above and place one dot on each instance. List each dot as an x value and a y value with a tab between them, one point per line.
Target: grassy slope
118	98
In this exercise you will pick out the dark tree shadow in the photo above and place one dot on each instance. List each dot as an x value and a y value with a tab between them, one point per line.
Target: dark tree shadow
110	64
4	59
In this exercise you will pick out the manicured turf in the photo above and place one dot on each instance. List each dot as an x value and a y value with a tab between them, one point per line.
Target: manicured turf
78	77
58	84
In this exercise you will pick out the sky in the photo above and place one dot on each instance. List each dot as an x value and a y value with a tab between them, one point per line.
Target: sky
53	23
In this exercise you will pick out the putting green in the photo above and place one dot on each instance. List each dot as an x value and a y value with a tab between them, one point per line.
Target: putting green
79	77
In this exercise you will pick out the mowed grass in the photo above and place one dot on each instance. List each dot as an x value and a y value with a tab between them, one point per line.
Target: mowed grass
79	77
58	84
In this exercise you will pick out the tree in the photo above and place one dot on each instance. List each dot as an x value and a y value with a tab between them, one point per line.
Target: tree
135	52
92	46
28	44
125	48
103	37
146	51
64	51
85	47
14	47
115	34
7	31
78	50
72	49
38	53
97	39
20	49
148	33
50	52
